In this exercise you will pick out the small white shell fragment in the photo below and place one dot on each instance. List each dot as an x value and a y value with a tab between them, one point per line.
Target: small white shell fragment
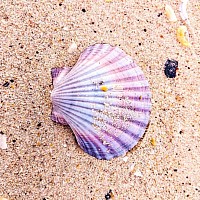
65	28
138	173
72	48
64	145
170	13
125	159
3	144
183	11
132	167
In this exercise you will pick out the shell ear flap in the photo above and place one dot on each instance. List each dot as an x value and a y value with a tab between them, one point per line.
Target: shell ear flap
55	72
58	73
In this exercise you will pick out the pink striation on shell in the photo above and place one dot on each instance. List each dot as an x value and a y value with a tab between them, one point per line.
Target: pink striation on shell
106	122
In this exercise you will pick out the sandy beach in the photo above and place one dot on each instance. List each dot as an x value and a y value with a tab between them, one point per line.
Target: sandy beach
42	160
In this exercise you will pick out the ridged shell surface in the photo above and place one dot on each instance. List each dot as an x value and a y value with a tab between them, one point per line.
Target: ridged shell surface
104	98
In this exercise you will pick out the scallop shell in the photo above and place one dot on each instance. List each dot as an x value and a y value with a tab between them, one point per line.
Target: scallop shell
104	98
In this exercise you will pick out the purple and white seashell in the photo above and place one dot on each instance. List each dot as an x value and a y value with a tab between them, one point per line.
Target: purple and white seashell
104	98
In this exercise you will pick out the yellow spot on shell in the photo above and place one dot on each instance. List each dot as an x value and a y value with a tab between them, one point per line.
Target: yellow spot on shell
153	141
108	1
181	31
104	88
170	13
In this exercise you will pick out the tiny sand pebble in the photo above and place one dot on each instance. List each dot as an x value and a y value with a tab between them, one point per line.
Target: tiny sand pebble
125	159
64	145
132	167
65	28
138	173
3	144
6	84
72	48
153	141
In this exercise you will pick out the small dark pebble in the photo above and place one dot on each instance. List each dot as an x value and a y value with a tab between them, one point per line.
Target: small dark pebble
175	170
14	141
139	44
11	80
60	4
145	30
1	132
107	196
39	124
159	14
170	68
83	10
6	84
